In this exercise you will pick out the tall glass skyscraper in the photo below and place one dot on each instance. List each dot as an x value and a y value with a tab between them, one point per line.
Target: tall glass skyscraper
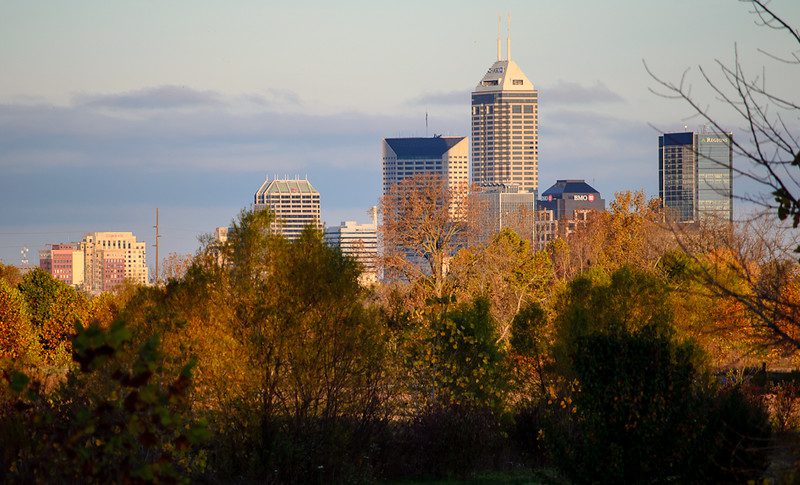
695	175
505	145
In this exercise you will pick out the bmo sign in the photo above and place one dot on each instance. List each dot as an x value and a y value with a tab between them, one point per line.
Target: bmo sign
586	197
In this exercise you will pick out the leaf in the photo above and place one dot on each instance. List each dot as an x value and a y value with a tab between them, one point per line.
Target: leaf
18	381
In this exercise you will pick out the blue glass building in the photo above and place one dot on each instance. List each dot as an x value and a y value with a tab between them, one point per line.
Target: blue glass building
695	176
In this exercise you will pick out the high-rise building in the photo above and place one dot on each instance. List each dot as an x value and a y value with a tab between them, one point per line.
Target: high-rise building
504	206
568	203
111	258
505	145
695	175
359	241
64	262
443	156
294	202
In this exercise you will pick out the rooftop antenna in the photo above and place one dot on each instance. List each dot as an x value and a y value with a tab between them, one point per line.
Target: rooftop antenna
498	38
508	39
426	123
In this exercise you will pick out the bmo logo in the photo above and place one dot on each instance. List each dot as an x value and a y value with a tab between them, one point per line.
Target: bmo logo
586	197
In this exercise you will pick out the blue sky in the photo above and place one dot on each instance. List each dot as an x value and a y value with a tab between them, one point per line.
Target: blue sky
111	109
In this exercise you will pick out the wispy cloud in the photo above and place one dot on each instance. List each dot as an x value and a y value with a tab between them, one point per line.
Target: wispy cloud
460	96
567	92
159	97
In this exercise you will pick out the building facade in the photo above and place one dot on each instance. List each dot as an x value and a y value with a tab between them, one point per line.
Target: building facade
565	206
505	145
294	202
64	262
111	258
695	175
359	241
502	206
443	156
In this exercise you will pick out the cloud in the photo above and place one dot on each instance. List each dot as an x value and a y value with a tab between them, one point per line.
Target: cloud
611	153
566	92
459	97
159	97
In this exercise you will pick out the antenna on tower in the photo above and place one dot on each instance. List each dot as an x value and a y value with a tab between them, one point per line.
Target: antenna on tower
508	39
426	123
499	53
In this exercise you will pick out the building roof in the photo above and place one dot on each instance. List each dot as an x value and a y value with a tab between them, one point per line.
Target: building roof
670	139
502	76
293	186
433	147
562	187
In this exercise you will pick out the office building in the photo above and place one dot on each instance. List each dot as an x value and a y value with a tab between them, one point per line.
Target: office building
359	241
442	156
64	262
568	203
111	258
695	175
295	204
501	206
505	146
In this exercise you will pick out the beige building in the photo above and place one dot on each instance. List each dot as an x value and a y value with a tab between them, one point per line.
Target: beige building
294	202
505	146
111	258
504	206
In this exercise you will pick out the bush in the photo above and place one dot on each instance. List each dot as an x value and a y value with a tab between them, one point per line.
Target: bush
447	442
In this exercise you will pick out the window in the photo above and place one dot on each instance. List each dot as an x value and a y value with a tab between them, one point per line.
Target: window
517	82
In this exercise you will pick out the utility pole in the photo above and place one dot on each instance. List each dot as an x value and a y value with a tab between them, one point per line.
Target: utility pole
156	245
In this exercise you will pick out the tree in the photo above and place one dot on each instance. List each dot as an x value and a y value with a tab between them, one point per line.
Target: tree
109	421
18	340
507	271
420	231
54	310
637	401
769	144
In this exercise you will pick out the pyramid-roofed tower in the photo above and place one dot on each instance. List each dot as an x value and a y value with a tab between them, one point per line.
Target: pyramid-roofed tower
505	110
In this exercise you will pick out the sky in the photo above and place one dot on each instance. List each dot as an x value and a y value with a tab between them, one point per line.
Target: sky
109	110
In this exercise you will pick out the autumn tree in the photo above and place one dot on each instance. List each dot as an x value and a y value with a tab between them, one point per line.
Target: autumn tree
420	231
18	340
508	271
629	233
768	147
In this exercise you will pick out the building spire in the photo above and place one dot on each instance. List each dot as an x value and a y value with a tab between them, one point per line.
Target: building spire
499	53
508	39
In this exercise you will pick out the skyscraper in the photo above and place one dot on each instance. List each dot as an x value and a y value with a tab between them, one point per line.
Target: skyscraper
505	145
294	202
695	175
445	156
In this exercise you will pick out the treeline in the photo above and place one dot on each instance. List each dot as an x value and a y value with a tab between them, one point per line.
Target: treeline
593	361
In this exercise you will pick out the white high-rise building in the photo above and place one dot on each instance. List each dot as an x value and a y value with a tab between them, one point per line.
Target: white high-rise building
359	241
111	258
443	156
505	145
294	202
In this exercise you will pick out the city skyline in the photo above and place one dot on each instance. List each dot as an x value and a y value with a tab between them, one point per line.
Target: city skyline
107	112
